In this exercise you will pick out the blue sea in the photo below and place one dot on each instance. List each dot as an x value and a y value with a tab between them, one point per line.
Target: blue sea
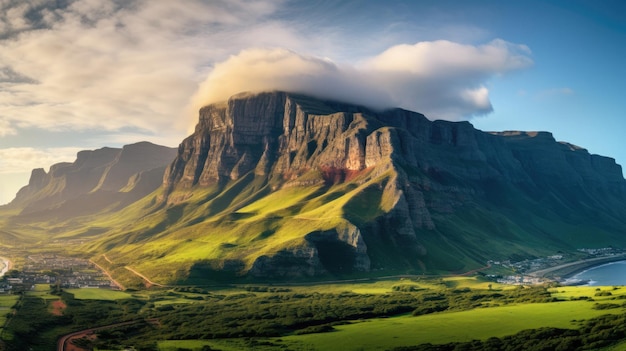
613	273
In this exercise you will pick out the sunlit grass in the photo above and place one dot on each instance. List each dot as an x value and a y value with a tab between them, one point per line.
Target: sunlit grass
175	345
441	328
6	303
42	291
569	292
98	294
436	328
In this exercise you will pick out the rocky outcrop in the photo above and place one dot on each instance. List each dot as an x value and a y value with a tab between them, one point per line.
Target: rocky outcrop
96	179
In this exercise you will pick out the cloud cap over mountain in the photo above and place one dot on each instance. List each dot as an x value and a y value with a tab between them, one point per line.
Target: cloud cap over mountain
443	79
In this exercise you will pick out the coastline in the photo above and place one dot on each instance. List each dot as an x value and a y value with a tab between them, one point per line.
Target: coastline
570	269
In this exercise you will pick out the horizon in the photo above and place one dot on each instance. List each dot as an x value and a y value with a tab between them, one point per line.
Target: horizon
88	74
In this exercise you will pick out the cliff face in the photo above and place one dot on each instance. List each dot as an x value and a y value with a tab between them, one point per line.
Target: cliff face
285	135
96	179
271	134
416	178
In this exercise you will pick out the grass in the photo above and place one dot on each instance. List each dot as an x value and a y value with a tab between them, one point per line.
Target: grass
386	286
382	334
99	294
239	227
6	303
42	291
568	292
442	328
437	328
175	345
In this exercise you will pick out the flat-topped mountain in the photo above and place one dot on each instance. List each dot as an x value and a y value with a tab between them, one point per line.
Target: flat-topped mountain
281	186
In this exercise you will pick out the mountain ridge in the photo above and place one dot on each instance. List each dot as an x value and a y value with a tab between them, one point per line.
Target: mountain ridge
95	180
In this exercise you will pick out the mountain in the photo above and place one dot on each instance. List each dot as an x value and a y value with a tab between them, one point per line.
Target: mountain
283	186
96	180
280	185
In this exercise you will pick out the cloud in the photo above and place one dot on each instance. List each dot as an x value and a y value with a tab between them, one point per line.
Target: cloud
107	65
443	79
256	70
6	128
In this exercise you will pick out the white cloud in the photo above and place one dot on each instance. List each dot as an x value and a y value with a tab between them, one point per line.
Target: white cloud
6	128
446	58
256	70
106	65
109	65
442	79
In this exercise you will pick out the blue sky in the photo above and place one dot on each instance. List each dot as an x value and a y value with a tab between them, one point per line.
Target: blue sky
83	74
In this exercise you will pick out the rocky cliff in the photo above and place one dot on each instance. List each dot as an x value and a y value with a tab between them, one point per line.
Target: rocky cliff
413	193
95	180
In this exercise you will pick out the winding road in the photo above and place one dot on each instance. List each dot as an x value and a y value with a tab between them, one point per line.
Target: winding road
7	266
63	341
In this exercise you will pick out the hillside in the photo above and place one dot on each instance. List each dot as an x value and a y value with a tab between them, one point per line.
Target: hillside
283	186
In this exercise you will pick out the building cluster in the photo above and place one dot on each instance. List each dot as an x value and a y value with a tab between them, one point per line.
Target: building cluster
530	265
63	272
524	267
520	280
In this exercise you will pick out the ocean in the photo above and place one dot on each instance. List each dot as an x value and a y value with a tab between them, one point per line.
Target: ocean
613	273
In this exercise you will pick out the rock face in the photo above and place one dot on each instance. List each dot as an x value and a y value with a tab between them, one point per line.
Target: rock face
420	180
97	179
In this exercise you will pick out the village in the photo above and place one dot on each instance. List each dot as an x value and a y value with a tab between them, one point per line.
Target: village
52	269
524	270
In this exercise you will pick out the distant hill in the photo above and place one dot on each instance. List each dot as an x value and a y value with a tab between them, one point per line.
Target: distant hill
105	178
284	186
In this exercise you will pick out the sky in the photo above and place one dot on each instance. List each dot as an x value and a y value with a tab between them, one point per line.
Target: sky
84	74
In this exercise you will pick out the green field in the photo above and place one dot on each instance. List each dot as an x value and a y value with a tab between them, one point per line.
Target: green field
435	328
99	294
440	328
6	304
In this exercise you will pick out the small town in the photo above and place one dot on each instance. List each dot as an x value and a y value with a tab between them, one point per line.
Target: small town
524	269
52	269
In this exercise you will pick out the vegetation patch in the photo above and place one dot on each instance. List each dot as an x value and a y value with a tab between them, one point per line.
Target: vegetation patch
98	294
